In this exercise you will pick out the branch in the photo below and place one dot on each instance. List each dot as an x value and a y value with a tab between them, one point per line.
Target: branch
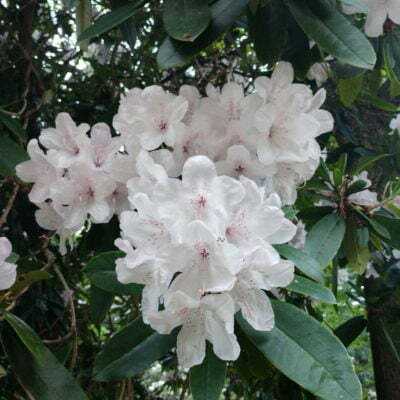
9	205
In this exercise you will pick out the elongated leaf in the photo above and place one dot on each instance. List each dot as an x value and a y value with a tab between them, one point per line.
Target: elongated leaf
309	288
186	19
268	29
100	303
109	21
36	366
393	227
333	32
350	88
101	272
367	162
11	154
306	264
131	351
391	53
350	330
378	102
13	125
174	53
324	239
207	380
307	353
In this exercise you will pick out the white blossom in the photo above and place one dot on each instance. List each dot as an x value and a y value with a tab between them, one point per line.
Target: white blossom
378	12
365	197
8	271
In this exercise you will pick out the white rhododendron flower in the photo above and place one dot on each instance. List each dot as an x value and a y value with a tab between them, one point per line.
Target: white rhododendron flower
198	184
299	239
395	123
318	72
8	271
199	241
365	197
379	11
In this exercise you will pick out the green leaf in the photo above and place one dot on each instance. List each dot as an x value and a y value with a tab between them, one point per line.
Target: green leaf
36	366
268	30
324	239
28	279
13	125
357	255
356	187
392	225
109	21
101	273
131	351
333	32
391	54
185	20
350	330
175	53
129	32
207	380
378	102
306	264
366	162
307	353
309	288
11	154
100	303
3	372
350	88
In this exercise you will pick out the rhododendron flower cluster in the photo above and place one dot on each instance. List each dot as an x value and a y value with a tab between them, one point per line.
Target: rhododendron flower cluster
8	271
198	184
202	246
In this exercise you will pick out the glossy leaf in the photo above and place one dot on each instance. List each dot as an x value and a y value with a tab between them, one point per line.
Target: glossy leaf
109	21
331	30
312	289
13	124
357	255
101	272
175	53
367	162
306	264
11	154
100	303
185	20
307	353
36	366
324	239
130	351
359	5
350	330
207	380
268	29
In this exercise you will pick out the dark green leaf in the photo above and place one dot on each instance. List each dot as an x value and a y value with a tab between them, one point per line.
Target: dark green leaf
101	272
100	303
13	125
129	32
312	289
350	330
307	353
11	154
36	367
207	380
333	32
110	20
357	4
378	102
185	20
324	239
366	162
131	351
306	264
350	88
174	53
357	255
268	30
356	187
